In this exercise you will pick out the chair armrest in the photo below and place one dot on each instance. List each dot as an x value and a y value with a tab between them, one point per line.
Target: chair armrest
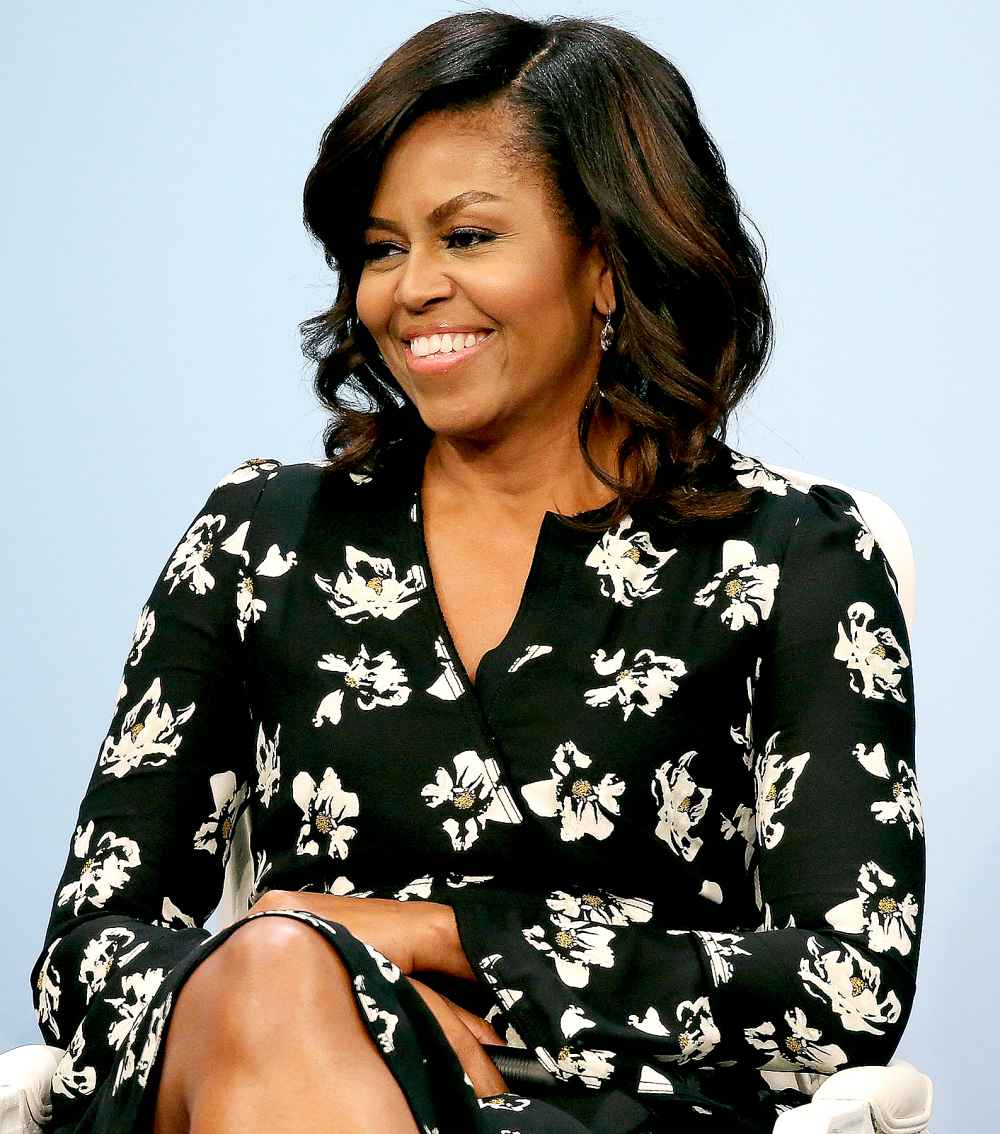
889	1100
26	1087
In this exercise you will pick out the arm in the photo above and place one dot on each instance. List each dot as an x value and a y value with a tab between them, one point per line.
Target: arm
835	842
147	858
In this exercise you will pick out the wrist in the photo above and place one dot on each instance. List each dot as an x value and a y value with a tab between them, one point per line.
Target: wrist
444	953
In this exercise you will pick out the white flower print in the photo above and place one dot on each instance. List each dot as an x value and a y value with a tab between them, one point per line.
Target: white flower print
507	1101
216	832
887	920
324	811
600	906
769	924
681	805
473	795
850	984
371	682
529	654
149	729
747	584
268	764
249	607
262	867
699	1033
138	989
574	947
650	1023
582	805
905	806
874	657
864	541
132	1009
775	777
250	469
744	738
147	1056
110	949
389	1021
653	1082
642	685
744	825
627	564
448	685
68	1080
188	564
145	625
720	948
751	473
102	872
48	984
591	1066
800	1047
370	588
387	969
173	917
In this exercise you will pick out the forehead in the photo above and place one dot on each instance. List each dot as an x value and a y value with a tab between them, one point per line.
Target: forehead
447	152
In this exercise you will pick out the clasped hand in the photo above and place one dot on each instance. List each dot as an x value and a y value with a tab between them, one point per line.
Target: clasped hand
417	936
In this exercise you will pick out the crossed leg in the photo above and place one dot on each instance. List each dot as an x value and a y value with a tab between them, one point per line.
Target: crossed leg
265	1034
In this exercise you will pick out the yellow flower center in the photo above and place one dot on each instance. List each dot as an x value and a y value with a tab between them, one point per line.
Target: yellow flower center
564	939
351	681
464	800
772	792
685	805
887	905
324	824
633	553
793	1045
878	651
88	864
581	788
593	900
897	790
685	1041
734	588
227	826
136	729
622	674
247	585
857	986
564	1053
375	584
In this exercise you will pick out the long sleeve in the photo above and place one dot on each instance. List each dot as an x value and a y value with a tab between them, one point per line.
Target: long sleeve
146	861
834	852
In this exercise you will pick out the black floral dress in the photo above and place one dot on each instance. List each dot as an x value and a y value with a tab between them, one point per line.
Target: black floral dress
675	815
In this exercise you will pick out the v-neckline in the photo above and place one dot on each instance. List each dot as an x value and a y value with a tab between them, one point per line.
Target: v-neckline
537	607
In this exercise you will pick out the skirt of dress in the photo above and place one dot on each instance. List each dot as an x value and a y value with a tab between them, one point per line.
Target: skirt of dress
411	1041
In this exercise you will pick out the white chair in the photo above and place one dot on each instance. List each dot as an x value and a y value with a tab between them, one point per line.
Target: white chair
858	1100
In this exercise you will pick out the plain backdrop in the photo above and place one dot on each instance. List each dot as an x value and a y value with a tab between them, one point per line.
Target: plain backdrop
155	269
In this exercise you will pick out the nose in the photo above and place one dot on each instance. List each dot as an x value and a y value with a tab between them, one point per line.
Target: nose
422	279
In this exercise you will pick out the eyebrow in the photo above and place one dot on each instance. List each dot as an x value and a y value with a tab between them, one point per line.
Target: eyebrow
442	212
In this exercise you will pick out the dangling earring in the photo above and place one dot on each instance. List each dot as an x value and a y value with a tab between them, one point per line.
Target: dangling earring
607	334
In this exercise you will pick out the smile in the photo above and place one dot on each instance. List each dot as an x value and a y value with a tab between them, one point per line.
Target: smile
443	360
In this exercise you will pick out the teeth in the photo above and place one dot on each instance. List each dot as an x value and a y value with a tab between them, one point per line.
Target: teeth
424	345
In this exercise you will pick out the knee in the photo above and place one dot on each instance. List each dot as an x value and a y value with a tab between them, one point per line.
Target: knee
269	972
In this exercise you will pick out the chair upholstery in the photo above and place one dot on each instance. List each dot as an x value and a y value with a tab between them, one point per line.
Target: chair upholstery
857	1100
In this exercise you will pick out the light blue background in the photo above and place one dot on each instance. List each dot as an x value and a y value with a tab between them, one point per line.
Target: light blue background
155	270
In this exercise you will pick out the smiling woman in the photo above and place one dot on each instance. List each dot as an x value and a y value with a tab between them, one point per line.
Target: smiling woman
558	723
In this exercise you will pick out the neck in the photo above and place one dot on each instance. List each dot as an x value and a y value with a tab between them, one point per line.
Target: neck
522	477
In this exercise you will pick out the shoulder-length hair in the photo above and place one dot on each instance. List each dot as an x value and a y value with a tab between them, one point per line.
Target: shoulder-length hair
614	128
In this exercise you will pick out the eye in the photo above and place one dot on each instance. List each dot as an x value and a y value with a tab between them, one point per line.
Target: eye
378	250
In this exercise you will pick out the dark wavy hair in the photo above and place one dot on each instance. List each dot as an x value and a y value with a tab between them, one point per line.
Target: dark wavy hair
613	128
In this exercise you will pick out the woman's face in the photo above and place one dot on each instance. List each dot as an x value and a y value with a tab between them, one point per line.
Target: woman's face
501	265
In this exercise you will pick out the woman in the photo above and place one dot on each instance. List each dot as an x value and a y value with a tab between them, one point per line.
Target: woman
560	723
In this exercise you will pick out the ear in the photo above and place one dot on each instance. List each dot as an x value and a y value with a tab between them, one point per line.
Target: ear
604	285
